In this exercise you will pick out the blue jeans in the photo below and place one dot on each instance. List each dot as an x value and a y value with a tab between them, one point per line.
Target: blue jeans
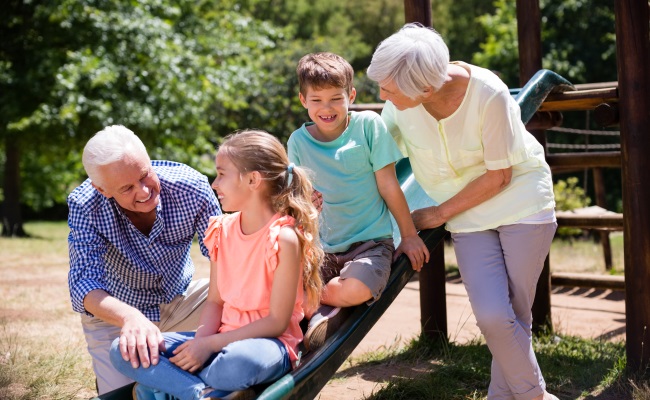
237	366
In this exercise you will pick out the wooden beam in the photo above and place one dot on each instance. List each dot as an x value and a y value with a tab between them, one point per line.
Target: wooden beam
588	280
529	34
609	222
579	100
611	159
633	64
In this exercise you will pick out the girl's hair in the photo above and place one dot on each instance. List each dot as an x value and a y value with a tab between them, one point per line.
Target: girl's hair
290	191
414	58
109	145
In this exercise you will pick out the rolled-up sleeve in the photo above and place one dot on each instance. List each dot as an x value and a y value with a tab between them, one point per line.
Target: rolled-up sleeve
502	136
86	249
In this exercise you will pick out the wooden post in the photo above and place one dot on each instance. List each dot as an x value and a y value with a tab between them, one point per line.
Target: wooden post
433	301
601	201
529	33
433	304
633	64
418	11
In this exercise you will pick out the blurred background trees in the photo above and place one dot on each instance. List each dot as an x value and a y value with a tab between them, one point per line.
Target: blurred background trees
182	74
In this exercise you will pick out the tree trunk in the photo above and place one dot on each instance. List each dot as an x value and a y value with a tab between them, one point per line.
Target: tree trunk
12	220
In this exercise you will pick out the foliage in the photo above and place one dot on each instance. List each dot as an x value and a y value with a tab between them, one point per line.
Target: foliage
569	196
578	40
457	22
181	74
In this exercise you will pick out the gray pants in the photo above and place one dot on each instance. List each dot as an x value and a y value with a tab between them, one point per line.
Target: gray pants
500	268
182	314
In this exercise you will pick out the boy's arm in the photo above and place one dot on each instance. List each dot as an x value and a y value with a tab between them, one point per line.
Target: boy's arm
391	192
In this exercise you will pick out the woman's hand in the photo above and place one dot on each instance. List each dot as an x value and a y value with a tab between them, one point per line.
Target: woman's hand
427	218
192	355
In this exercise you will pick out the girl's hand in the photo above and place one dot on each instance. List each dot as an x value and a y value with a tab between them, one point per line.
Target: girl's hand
192	355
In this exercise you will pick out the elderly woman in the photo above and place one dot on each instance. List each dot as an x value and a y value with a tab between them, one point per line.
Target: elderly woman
472	155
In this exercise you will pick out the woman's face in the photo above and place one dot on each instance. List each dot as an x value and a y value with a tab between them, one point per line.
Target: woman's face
389	91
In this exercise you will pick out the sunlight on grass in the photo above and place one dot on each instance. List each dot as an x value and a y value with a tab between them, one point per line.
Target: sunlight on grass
43	351
572	366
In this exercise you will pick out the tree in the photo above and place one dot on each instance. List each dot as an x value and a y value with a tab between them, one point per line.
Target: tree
160	67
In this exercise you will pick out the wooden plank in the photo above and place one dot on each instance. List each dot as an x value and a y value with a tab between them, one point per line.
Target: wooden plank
588	280
610	222
579	100
611	159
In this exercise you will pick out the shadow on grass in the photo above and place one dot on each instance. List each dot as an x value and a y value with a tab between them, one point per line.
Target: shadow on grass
574	368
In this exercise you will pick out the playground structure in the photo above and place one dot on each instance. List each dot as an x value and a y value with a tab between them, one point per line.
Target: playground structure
627	102
543	97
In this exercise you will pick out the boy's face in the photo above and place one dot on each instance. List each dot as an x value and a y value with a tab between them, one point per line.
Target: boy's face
328	108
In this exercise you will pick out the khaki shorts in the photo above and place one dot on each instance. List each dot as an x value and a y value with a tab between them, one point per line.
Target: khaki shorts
369	262
182	314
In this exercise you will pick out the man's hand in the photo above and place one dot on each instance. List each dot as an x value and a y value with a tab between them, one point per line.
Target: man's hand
415	250
191	355
317	200
141	341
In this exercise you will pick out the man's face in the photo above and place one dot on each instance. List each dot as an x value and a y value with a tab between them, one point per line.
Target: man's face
132	182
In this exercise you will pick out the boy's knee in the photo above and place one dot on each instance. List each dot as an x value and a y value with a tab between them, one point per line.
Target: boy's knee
348	292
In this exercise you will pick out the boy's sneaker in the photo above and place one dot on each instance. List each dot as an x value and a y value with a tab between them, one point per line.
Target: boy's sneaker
323	324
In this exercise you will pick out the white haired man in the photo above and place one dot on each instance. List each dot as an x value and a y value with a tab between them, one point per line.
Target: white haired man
132	223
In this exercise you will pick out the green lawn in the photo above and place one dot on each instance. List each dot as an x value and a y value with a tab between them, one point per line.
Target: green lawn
43	354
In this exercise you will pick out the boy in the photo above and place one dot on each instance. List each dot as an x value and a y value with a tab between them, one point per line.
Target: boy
353	157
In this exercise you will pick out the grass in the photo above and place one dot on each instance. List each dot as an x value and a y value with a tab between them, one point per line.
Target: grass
575	368
43	352
42	348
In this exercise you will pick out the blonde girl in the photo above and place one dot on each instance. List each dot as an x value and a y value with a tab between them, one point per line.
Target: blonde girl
263	255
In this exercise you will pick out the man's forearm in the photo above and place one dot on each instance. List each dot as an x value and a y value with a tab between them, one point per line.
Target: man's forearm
108	308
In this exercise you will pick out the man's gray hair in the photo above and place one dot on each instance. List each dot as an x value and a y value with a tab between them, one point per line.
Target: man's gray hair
109	145
414	58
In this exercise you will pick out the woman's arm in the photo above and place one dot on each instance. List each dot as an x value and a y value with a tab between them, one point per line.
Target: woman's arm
391	192
476	192
192	354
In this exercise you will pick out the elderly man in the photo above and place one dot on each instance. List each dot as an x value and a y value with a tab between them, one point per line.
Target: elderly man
131	228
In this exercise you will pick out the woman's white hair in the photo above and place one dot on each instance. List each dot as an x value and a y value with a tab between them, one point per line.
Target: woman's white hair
109	145
414	58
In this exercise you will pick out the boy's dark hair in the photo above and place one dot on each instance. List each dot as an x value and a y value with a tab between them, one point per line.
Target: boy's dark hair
324	70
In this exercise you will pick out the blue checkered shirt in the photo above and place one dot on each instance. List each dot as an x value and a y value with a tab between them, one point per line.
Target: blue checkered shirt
108	252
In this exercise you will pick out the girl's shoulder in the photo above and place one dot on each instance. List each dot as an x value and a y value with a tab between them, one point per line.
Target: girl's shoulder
219	222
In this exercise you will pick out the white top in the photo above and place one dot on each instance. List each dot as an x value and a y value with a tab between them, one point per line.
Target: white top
485	132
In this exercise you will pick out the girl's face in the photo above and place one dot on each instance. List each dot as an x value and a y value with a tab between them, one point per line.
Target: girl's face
388	91
231	185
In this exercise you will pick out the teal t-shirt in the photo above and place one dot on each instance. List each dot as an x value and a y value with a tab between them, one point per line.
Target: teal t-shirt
344	172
